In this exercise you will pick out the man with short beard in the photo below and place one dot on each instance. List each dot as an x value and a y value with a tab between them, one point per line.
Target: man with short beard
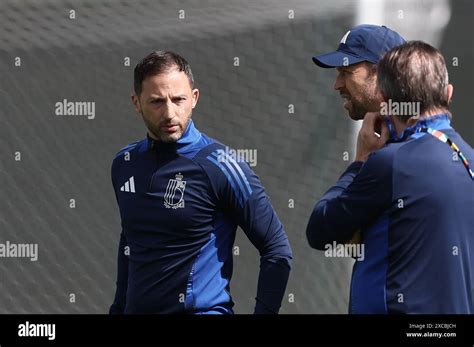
411	192
181	197
355	60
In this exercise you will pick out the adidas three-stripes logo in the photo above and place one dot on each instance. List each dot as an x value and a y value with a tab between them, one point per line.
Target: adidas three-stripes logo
129	186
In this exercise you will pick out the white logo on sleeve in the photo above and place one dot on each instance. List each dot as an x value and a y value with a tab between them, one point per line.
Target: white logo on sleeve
344	38
174	195
129	186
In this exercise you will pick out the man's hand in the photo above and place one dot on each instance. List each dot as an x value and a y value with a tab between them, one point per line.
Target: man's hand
367	140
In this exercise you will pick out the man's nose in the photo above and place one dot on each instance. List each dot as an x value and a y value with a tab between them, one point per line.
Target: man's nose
168	110
339	82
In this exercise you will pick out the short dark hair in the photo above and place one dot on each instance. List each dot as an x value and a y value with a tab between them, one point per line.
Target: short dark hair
159	62
414	72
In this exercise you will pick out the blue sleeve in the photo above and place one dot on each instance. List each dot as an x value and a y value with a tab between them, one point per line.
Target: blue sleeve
239	190
118	305
362	193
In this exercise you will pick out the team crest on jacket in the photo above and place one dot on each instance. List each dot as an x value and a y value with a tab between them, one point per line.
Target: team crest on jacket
174	195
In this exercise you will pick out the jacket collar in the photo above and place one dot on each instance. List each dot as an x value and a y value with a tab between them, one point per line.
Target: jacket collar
190	136
436	122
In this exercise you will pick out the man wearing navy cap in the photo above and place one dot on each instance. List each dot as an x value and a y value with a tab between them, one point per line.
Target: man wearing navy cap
355	59
411	192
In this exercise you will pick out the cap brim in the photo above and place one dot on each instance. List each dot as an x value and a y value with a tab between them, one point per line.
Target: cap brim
336	59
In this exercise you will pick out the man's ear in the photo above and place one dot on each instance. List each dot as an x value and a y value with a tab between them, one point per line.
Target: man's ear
136	103
195	97
449	90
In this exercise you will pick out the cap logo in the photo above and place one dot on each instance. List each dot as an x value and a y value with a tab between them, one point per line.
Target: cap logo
344	38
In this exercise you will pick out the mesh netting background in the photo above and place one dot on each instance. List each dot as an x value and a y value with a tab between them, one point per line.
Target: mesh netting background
68	157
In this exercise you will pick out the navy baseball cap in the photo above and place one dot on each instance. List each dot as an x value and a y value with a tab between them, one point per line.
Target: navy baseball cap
365	42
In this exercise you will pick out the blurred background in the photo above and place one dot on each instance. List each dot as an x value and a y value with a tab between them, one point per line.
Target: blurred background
284	106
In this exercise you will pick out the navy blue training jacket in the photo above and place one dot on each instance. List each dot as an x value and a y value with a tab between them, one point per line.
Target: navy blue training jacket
180	205
414	203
